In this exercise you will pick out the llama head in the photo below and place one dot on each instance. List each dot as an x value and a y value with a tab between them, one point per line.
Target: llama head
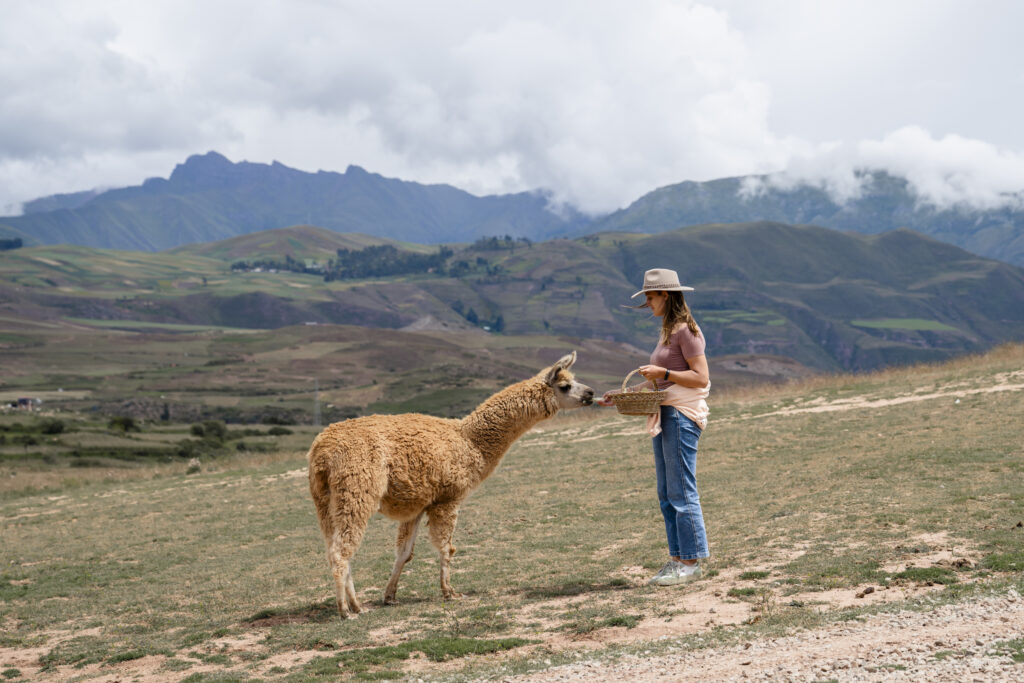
568	393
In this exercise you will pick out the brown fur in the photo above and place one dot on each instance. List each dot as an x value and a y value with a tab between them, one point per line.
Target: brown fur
406	465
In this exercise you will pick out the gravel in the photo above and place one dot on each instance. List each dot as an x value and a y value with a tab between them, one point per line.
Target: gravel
962	643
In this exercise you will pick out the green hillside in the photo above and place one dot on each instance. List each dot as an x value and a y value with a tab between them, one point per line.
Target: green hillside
824	299
301	242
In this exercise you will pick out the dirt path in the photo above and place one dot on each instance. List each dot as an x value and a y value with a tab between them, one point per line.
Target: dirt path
971	641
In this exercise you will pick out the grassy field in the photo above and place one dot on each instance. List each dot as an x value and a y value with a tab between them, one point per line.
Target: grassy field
907	481
241	375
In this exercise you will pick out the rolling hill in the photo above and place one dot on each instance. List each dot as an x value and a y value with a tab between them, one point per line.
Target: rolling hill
840	301
301	242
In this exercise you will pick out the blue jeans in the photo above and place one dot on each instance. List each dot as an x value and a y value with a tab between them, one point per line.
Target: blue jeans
675	461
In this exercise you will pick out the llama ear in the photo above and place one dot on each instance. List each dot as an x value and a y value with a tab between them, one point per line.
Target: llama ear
563	363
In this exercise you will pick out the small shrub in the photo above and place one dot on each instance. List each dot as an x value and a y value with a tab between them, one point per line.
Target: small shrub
25	440
52	426
86	462
277	420
279	431
215	430
122	423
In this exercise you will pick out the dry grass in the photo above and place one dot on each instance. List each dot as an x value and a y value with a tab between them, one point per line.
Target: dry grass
221	575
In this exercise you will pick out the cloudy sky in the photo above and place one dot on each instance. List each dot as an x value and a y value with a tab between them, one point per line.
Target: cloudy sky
597	101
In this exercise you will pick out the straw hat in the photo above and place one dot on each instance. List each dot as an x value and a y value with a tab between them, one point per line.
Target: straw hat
663	280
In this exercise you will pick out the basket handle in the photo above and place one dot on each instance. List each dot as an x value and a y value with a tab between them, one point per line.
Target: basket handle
626	380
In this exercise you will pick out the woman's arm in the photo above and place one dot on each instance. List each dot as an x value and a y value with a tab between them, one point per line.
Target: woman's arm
697	376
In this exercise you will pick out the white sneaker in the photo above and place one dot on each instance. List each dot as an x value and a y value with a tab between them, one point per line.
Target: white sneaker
675	573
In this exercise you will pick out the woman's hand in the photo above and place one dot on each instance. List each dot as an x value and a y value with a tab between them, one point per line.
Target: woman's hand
605	400
652	373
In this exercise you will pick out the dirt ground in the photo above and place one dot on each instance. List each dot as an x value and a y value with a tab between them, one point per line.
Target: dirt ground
697	608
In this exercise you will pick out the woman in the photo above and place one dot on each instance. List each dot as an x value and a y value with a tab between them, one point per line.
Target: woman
677	365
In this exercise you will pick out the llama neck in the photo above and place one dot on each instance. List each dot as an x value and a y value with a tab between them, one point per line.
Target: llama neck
497	422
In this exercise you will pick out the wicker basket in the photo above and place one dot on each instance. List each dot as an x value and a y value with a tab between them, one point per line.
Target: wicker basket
636	402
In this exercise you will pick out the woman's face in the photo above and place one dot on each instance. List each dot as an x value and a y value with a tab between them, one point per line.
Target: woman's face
656	302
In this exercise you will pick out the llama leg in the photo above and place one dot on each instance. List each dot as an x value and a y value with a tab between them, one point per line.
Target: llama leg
350	513
321	492
340	571
441	522
350	593
403	553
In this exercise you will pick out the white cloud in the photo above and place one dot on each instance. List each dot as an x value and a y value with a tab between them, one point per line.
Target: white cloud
944	173
949	171
599	102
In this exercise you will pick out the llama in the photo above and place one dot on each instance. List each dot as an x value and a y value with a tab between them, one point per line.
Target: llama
405	466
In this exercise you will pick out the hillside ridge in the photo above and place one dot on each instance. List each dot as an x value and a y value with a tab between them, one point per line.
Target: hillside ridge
843	301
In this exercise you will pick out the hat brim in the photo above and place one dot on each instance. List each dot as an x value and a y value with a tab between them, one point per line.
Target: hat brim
678	288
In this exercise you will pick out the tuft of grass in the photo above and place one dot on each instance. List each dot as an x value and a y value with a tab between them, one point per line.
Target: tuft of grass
127	656
1005	562
217	677
927	575
627	620
589	624
572	588
753	575
435	649
77	651
1012	648
175	664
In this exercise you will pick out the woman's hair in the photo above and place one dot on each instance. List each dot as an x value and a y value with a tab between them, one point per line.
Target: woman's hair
676	311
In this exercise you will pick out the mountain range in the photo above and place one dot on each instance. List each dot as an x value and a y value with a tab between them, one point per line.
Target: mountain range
209	198
884	202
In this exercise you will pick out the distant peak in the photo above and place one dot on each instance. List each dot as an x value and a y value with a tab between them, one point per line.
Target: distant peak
201	168
208	158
